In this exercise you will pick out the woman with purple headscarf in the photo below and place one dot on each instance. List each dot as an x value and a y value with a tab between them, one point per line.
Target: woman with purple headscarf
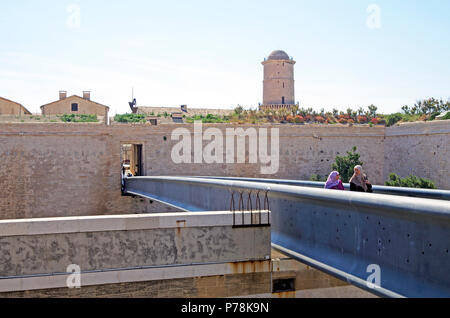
333	182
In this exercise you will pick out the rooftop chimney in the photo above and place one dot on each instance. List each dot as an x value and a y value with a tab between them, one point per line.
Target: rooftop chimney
87	95
62	95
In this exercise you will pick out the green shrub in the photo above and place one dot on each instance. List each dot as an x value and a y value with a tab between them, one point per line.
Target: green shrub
391	120
409	182
434	115
447	116
72	118
209	119
345	164
130	118
316	177
410	117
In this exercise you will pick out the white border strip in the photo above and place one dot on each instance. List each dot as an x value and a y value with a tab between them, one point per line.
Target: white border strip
127	222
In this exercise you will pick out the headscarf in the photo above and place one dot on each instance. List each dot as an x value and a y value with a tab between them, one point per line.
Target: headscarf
359	180
332	182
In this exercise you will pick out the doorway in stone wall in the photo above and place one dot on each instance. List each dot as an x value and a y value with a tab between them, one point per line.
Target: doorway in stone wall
131	159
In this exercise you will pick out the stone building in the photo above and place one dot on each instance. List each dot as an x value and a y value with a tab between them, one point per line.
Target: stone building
278	87
8	107
76	105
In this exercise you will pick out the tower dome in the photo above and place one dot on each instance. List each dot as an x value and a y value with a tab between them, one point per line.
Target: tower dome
278	55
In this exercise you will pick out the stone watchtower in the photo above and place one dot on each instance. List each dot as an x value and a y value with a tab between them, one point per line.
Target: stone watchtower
279	81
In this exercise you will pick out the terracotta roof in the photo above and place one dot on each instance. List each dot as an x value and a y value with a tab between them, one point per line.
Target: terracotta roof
59	100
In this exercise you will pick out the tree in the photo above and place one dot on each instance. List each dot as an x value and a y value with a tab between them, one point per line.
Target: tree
373	110
238	110
409	182
345	164
349	111
406	109
335	112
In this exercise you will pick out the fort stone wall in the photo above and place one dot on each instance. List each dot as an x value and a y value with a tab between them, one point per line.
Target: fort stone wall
55	170
421	149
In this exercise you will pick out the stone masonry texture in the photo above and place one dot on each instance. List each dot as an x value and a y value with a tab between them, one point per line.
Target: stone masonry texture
197	287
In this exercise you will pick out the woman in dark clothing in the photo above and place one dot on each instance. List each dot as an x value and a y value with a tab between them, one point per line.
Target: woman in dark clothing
333	182
359	181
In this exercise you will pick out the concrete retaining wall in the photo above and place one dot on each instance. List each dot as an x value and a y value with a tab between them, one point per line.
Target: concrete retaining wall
153	246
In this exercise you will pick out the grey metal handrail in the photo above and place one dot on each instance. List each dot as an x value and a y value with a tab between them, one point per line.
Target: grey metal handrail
411	192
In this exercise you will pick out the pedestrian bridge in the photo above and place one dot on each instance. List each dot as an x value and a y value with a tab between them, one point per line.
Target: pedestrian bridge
394	242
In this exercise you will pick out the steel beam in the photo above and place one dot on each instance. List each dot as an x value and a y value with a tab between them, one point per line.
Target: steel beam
340	232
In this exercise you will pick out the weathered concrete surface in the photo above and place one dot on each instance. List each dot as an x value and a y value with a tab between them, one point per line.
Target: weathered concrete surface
228	285
156	245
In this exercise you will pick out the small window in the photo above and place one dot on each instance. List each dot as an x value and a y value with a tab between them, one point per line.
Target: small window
283	85
74	107
283	285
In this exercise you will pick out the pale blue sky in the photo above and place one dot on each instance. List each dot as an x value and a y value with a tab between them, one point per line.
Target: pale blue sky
209	53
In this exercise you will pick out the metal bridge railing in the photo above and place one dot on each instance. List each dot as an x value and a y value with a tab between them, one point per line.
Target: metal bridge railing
409	192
